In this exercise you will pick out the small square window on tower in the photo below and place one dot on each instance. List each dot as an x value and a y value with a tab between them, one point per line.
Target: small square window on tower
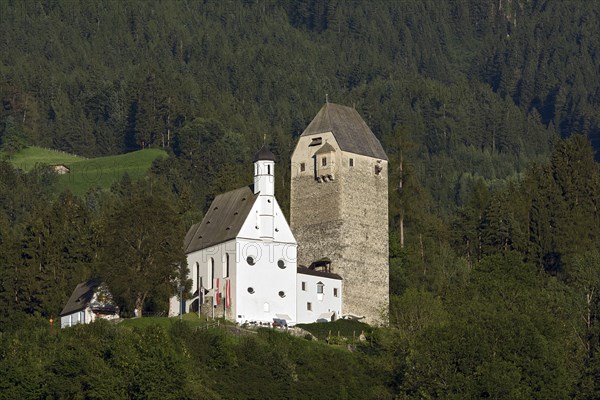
309	306
302	167
335	292
351	162
304	286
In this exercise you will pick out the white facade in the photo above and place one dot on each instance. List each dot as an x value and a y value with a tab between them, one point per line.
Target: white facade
259	263
80	317
266	289
319	298
90	300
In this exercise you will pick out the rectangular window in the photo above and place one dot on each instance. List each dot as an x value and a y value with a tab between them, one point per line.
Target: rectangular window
304	286
302	167
324	161
335	292
320	288
351	162
309	306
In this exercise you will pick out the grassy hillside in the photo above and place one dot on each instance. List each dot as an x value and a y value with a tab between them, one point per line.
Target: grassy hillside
88	173
27	158
179	362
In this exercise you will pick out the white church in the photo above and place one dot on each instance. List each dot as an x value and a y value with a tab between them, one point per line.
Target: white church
242	260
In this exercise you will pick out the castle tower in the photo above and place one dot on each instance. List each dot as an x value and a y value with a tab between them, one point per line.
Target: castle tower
339	207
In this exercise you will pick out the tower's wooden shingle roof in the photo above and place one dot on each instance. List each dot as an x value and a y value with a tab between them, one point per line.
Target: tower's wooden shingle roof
349	129
222	221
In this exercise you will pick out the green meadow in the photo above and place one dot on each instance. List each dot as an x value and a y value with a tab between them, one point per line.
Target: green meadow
86	173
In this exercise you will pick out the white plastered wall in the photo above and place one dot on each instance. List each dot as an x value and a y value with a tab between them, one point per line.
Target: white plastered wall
326	302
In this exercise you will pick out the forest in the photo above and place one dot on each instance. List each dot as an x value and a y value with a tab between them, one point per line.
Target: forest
489	112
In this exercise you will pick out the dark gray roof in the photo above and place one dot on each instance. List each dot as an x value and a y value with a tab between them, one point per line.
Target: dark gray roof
308	271
222	221
80	298
349	129
264	154
83	295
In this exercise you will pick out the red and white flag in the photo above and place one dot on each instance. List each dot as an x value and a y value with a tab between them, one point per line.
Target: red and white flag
217	293
227	294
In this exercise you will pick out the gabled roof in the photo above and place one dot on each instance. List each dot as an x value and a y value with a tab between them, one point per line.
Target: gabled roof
81	297
326	148
222	221
84	294
349	129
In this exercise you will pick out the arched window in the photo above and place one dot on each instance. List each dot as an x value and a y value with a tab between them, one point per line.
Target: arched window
226	266
198	277
211	273
320	287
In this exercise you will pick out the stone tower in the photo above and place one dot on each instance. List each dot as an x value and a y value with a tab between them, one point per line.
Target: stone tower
339	208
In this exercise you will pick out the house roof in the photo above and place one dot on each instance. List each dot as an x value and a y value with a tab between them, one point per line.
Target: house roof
81	297
308	271
222	221
349	129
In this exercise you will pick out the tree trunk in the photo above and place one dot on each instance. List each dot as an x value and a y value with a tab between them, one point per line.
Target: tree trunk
400	186
401	229
139	304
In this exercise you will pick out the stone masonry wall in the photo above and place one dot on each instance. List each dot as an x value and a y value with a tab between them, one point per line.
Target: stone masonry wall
346	220
364	264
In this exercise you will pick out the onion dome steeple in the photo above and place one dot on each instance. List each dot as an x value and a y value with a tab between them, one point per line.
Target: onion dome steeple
264	154
264	172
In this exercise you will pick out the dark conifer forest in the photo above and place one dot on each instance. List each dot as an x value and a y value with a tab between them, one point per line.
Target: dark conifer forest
489	112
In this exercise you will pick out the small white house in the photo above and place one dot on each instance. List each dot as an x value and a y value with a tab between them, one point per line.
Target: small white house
242	256
319	295
90	300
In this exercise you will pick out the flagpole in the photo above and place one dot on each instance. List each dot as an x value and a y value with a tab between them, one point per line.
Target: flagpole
200	296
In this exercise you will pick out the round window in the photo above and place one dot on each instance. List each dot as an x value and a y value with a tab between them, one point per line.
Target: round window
250	260
251	290
281	294
281	264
